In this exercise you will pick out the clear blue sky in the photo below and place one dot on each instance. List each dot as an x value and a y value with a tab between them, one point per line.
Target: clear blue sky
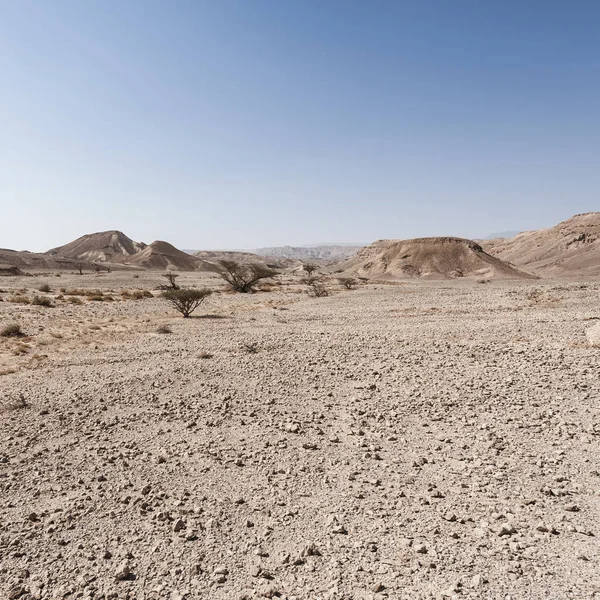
221	123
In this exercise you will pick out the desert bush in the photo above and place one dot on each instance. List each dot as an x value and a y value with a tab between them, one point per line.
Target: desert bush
19	299
44	288
42	301
74	300
11	330
348	282
309	268
164	329
250	347
99	297
310	280
186	301
13	403
205	355
140	294
171	283
318	290
244	278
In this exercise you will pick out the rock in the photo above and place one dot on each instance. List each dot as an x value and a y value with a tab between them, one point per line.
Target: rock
179	525
123	571
506	529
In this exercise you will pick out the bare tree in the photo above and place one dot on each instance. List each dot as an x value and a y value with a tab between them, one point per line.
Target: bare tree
243	278
171	283
186	301
318	290
348	282
310	268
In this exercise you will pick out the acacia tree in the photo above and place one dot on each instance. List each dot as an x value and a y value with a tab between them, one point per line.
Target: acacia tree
244	278
186	301
310	268
348	282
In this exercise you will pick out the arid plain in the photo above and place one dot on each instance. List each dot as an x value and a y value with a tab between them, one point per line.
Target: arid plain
413	439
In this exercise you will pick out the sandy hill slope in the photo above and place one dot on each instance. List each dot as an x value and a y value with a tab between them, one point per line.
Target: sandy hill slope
433	258
246	257
28	261
105	246
569	249
317	253
162	255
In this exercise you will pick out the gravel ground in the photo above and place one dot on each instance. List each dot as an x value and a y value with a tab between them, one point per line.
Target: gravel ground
417	440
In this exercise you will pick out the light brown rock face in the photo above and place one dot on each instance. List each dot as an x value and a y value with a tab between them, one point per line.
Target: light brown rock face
432	258
569	249
100	247
162	255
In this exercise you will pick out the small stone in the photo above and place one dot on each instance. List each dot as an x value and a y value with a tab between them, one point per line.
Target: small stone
179	525
123	571
421	549
33	517
506	529
572	507
339	529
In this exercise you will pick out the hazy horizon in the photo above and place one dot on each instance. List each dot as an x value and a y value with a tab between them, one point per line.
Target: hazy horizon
248	125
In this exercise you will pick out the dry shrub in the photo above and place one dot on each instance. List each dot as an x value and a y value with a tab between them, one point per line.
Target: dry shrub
166	329
44	288
250	347
19	299
74	300
186	300
318	290
21	348
140	294
11	330
205	355
13	403
42	301
100	298
348	282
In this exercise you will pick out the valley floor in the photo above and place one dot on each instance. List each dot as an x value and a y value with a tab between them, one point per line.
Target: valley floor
437	440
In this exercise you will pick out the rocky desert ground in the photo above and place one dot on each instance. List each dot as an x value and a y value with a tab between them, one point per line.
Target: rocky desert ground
401	440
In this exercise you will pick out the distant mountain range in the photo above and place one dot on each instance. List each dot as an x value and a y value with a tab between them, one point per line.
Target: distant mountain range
501	234
569	249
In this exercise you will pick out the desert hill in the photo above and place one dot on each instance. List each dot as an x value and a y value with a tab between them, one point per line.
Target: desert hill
105	246
26	261
432	258
162	255
245	257
571	248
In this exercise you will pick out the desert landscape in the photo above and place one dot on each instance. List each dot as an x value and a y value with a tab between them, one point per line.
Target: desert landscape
414	419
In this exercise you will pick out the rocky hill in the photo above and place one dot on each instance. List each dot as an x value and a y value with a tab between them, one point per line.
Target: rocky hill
162	255
245	257
33	261
331	253
569	249
432	258
105	246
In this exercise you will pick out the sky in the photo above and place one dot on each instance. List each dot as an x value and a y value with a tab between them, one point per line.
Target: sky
249	123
